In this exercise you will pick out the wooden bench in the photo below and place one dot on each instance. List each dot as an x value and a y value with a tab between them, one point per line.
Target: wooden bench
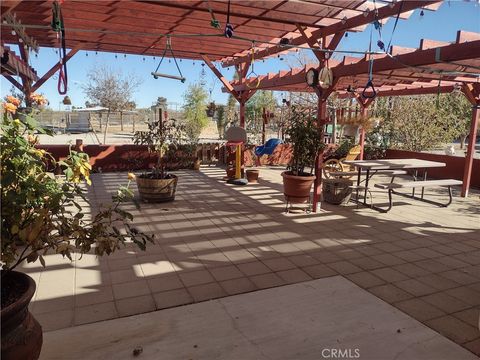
391	187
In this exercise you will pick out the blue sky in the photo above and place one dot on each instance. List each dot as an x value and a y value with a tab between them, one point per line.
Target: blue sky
439	25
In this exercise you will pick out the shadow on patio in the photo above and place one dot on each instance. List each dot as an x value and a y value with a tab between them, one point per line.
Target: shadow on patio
217	240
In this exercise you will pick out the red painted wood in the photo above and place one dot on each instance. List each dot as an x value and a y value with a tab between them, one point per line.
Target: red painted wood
317	185
467	174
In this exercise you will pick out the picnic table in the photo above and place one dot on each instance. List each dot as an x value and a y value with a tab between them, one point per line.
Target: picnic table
371	167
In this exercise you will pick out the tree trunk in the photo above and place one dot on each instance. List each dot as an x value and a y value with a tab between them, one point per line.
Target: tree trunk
463	139
106	128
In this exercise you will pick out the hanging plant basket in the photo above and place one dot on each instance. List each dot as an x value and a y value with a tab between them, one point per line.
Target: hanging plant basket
211	109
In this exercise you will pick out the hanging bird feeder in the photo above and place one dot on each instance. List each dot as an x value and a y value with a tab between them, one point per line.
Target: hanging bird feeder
156	74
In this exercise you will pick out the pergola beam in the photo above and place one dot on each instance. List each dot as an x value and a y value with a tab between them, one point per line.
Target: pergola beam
53	70
353	22
220	77
185	6
13	82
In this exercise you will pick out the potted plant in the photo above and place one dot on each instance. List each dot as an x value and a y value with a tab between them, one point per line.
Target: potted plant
304	137
42	214
158	185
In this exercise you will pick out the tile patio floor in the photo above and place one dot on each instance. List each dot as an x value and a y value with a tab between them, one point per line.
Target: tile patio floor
217	240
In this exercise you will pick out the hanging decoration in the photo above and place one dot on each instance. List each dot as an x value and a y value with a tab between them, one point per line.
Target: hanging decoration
156	74
211	109
203	75
228	27
59	27
213	21
67	101
369	84
252	72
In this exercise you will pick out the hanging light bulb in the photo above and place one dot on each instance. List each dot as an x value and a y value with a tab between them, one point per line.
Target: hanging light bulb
14	33
422	13
144	58
125	56
116	57
96	52
366	12
346	34
344	20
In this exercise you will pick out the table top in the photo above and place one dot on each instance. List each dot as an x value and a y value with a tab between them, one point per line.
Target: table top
389	164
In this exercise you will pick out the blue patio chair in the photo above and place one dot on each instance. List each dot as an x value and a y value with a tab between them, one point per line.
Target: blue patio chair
268	147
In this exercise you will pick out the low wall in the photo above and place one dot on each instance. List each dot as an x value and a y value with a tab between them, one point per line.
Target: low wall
453	170
107	158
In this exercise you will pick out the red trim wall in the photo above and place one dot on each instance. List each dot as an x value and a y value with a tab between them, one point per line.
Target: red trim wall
453	170
110	157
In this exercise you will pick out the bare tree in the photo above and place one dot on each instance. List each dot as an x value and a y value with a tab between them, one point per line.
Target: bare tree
111	89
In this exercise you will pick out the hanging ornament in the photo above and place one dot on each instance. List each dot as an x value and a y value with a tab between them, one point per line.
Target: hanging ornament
67	101
422	13
203	75
346	34
228	27
228	30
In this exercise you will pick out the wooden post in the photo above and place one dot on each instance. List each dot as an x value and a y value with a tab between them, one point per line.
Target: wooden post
467	174
264	120
78	145
121	120
321	120
242	113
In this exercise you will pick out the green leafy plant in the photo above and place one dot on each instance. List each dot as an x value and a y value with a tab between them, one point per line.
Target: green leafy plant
43	213
305	138
162	137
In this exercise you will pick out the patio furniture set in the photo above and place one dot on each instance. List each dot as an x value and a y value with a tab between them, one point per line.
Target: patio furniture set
394	167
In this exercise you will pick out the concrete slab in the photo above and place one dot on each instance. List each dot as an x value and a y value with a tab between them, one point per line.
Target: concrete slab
325	318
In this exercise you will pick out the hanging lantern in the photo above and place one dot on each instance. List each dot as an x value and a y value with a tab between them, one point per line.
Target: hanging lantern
67	101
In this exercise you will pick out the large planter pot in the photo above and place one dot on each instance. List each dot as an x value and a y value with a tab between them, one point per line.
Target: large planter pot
252	175
21	333
297	188
157	190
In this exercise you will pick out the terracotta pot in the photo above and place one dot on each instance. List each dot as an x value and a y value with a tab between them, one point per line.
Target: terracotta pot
252	175
21	333
297	188
230	172
157	190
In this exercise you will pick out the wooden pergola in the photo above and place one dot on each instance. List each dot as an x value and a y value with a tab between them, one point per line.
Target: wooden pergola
264	28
